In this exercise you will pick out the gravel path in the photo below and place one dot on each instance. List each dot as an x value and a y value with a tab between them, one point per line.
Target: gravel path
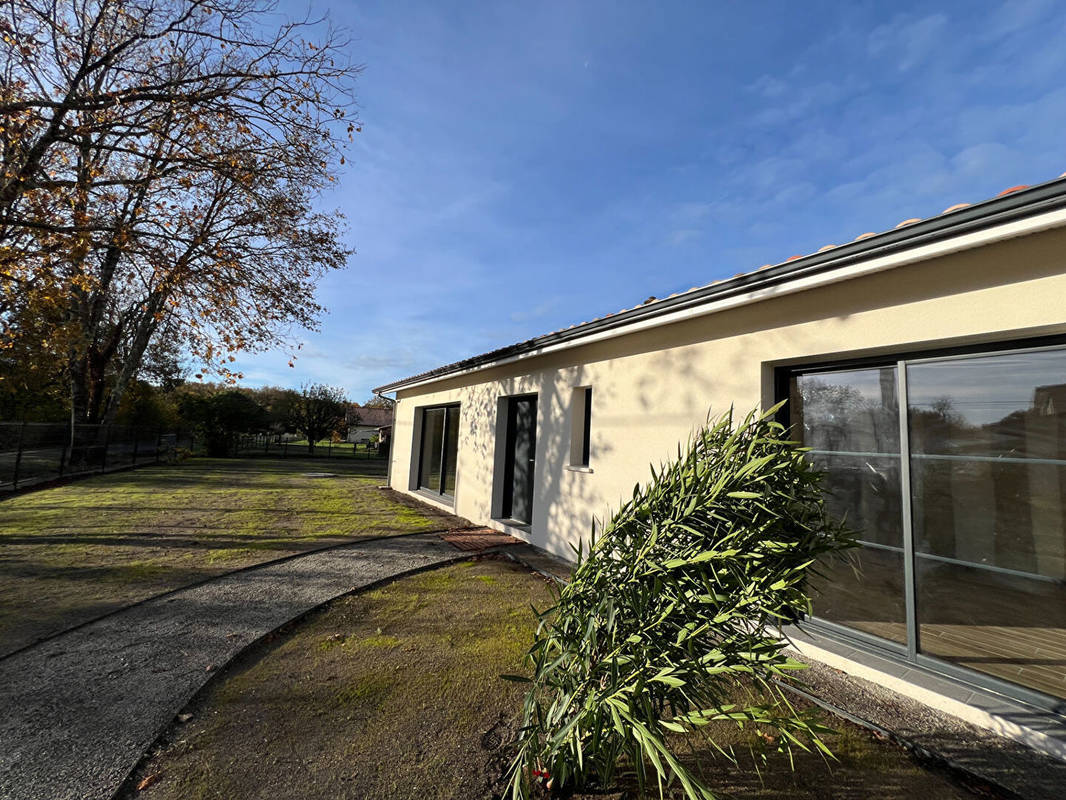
80	709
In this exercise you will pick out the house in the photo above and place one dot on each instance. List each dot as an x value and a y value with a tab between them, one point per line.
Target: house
365	423
384	437
923	366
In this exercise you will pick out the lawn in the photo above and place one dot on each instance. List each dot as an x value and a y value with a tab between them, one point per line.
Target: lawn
337	446
395	693
70	553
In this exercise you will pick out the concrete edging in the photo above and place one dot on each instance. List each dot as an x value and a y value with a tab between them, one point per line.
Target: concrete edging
1041	742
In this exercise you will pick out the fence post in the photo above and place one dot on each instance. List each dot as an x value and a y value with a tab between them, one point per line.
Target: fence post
158	442
136	443
285	450
329	449
18	457
107	446
63	452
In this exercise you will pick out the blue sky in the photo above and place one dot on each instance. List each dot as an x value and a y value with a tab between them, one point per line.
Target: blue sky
526	166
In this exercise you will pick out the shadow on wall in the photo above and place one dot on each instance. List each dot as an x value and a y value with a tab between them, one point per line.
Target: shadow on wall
653	388
638	420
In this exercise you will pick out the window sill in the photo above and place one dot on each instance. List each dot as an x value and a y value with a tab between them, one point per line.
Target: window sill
578	468
441	499
525	527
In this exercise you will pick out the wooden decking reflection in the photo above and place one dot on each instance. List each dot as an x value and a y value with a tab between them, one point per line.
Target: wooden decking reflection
1011	629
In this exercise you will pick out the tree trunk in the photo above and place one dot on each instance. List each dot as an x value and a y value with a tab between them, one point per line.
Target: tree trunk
146	328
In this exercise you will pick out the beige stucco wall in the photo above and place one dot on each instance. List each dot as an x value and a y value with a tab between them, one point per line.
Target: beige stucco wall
652	388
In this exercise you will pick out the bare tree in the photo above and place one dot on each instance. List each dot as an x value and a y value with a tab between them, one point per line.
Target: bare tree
160	167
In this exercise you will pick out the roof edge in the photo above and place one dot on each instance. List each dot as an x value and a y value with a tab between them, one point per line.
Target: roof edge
1017	205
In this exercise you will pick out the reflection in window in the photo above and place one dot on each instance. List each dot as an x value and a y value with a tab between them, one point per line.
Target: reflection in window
850	420
988	466
439	449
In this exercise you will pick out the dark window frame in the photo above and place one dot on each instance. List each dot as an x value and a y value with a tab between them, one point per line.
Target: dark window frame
439	492
911	654
586	429
510	438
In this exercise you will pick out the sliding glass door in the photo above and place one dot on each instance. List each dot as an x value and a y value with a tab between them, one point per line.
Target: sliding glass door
988	478
439	450
954	471
850	420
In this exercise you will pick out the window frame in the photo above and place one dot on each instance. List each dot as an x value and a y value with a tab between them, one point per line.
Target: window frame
580	429
910	652
426	490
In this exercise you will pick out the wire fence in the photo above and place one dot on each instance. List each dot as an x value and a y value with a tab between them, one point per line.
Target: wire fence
286	446
37	452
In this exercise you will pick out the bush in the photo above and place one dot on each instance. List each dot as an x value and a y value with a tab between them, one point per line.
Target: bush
221	417
671	616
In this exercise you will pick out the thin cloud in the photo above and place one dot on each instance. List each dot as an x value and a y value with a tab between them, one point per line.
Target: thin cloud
494	168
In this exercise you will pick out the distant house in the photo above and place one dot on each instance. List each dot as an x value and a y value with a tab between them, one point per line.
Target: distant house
365	423
923	366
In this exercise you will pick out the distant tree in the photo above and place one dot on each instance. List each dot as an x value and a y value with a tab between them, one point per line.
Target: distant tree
318	412
161	163
163	364
279	404
222	417
146	405
380	401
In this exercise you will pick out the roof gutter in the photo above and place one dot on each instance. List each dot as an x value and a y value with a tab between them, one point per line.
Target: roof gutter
1024	212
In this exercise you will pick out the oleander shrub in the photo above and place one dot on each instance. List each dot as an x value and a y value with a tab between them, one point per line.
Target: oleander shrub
671	615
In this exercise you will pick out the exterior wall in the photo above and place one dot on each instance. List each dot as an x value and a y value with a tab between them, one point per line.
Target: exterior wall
652	388
361	433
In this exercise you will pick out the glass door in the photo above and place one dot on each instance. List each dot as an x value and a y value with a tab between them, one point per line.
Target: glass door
988	479
850	420
520	463
953	470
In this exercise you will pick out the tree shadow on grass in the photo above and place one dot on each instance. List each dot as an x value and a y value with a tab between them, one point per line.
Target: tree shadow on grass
61	557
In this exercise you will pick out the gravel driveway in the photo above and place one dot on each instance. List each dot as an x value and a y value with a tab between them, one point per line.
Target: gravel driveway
79	710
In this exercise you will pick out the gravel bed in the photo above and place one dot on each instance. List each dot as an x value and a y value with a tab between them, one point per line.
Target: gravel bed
80	709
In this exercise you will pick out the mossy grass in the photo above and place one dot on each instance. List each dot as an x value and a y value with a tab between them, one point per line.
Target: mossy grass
393	693
70	553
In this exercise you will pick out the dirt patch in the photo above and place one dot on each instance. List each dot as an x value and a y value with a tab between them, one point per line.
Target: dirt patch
71	553
396	694
865	766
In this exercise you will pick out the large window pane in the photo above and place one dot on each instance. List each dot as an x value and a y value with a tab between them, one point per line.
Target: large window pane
438	450
451	449
988	476
864	592
432	438
850	420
